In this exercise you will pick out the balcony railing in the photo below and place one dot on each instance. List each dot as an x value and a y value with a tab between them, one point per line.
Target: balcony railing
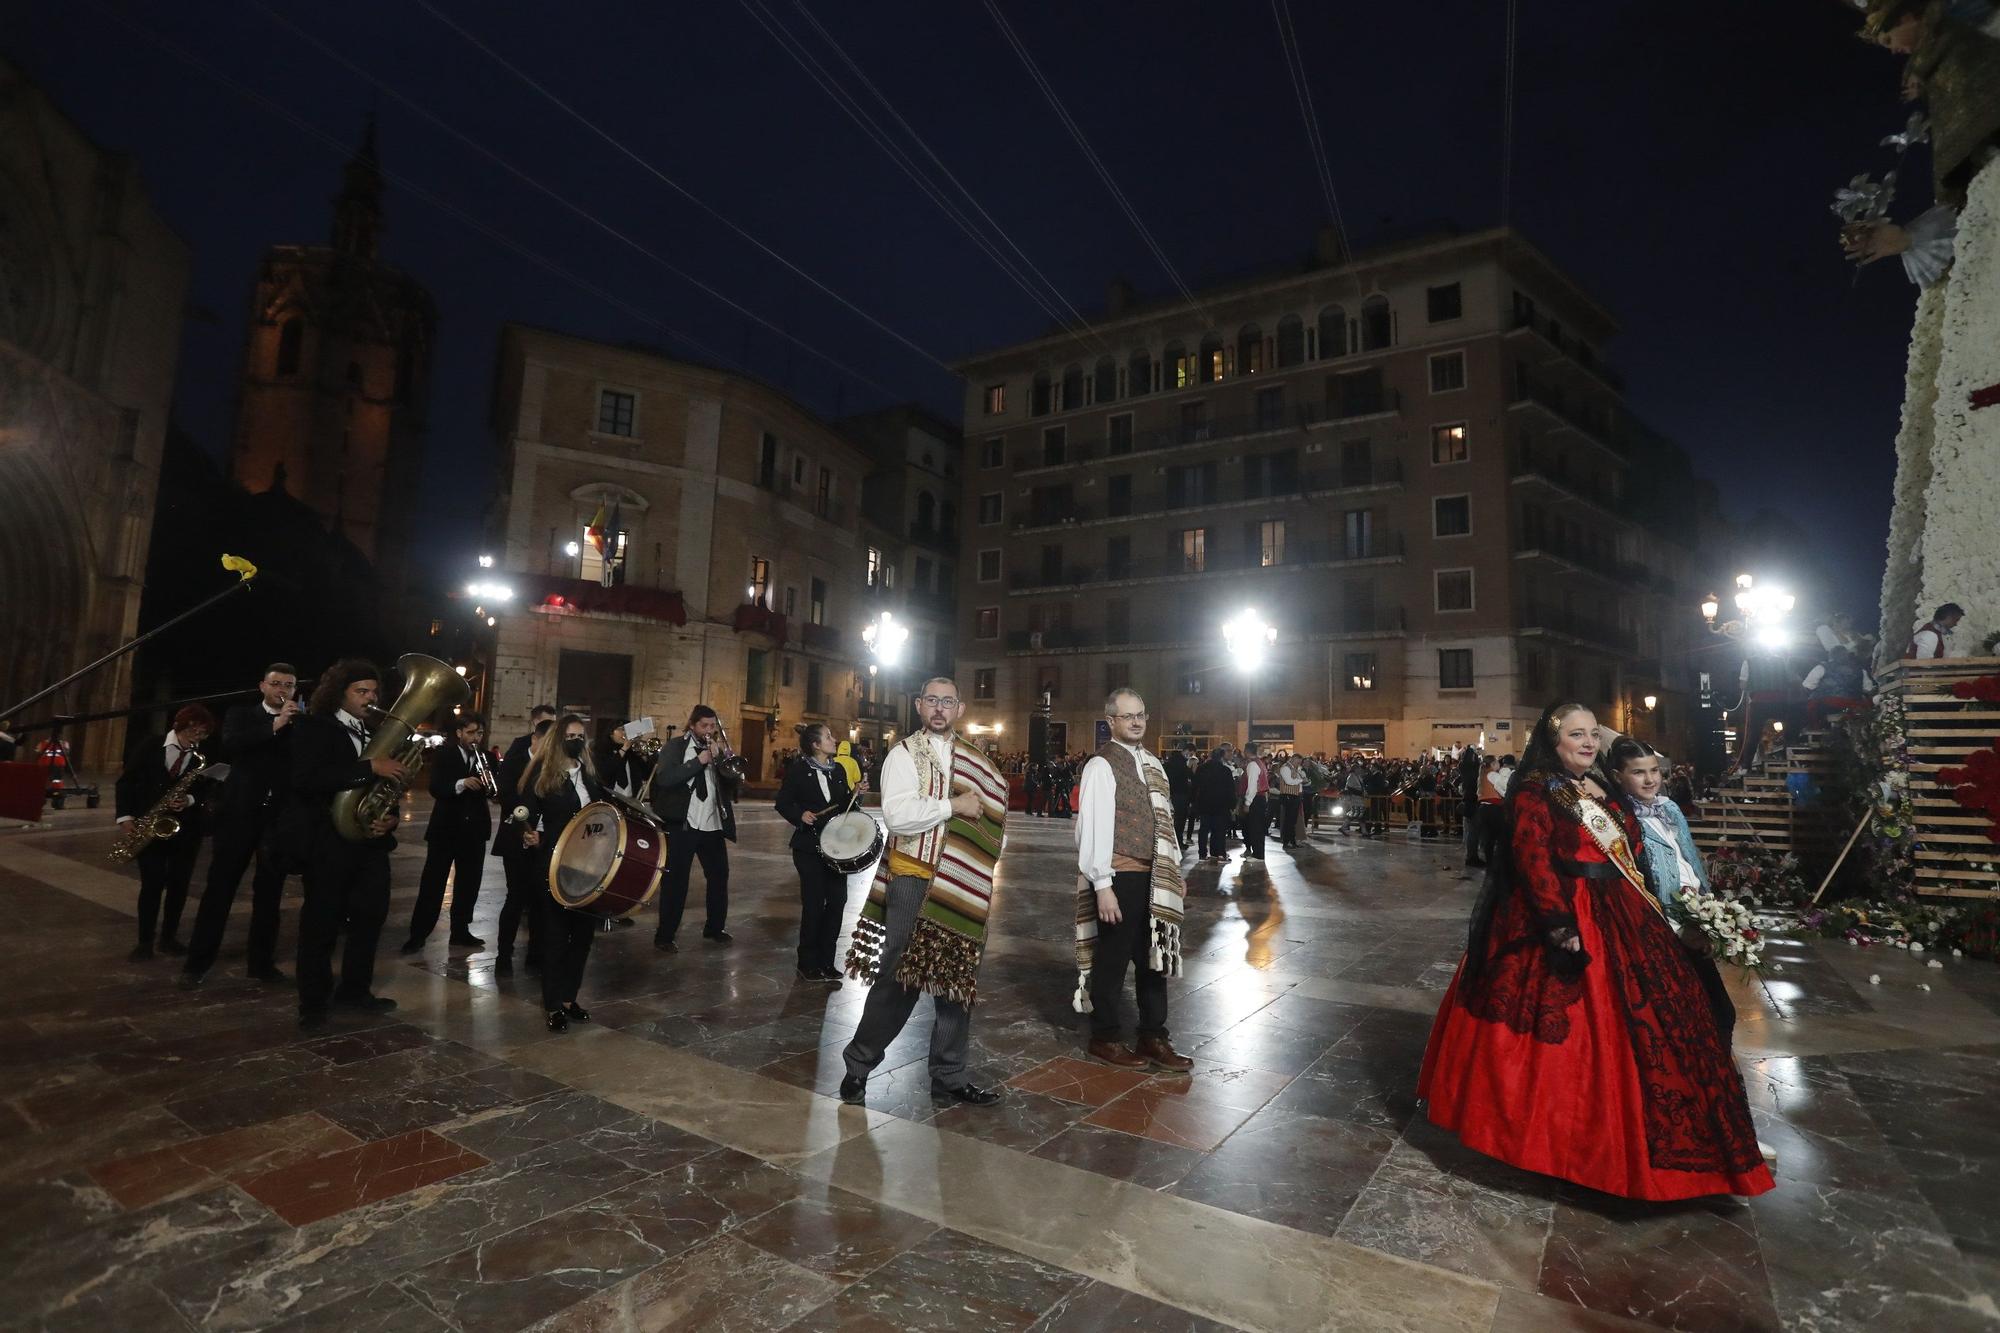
1214	430
1303	486
1554	620
1572	487
826	638
1560	548
758	619
1604	434
1323	621
1380	546
931	534
1575	352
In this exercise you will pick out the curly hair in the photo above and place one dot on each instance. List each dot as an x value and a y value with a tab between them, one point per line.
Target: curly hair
331	691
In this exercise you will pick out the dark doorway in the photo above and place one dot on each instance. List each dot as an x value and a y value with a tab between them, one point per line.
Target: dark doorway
597	685
751	745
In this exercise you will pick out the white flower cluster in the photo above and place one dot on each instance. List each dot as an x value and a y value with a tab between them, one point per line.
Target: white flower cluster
1732	932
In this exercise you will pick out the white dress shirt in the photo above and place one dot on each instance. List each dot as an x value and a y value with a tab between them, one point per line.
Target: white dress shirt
906	810
465	754
1931	644
356	728
1256	779
1500	778
705	812
576	784
1097	814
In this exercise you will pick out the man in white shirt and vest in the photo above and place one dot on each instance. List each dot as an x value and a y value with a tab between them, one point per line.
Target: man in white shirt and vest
1130	899
1931	639
1253	789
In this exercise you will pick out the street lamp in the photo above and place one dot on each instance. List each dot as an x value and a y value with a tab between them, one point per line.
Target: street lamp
1248	637
1651	701
1759	611
885	638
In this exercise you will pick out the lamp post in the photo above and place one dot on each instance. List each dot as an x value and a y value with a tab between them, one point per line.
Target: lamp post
1759	619
885	637
1248	637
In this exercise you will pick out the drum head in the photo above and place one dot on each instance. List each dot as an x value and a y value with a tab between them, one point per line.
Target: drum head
848	835
586	854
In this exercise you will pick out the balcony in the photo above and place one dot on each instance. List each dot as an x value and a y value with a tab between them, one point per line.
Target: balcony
1527	326
1385	546
1186	435
1558	550
1571	489
1531	393
755	618
824	638
561	596
1355	622
1359	407
1586	629
932	535
1045	640
1351	621
882	710
1371	474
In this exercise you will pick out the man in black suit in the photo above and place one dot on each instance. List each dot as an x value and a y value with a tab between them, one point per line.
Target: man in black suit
697	805
347	883
461	822
165	864
256	743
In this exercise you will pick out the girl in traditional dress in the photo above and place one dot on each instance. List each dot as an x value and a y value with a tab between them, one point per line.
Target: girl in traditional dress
1576	1039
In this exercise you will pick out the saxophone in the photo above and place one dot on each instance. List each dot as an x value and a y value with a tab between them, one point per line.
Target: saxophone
161	822
428	686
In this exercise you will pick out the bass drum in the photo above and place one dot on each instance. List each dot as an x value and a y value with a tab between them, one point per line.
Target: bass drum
850	841
608	861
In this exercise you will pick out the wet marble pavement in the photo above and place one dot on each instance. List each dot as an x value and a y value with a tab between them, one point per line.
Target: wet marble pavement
173	1159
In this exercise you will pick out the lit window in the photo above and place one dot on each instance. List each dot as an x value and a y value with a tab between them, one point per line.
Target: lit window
996	399
760	579
1449	444
1271	542
1360	671
874	566
1447	372
1193	544
816	605
982	683
615	412
591	562
1454	589
437	628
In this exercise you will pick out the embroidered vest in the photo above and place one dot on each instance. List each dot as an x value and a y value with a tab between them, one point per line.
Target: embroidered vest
1132	836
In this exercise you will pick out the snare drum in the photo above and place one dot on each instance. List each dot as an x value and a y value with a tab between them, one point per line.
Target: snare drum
608	861
850	841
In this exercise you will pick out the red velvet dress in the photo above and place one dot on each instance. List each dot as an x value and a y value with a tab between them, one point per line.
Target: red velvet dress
1612	1074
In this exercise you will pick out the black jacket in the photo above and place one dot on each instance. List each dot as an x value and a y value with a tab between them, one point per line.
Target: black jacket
456	816
558	808
1180	778
324	764
799	792
631	768
1214	788
146	779
259	759
672	787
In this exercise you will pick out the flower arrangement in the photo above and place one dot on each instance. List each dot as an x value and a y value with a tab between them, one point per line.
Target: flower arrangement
1756	876
1976	784
1732	933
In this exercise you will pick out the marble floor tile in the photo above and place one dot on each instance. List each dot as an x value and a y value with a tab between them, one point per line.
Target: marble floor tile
238	1155
725	1285
1414	1209
1296	1171
951	1282
1098	1307
1344	1089
834	1233
535	1124
1525	1312
1019	1120
347	1047
1165	1111
386	1308
1145	1162
1694	1266
349	1177
1085	1082
649	1145
1257	1045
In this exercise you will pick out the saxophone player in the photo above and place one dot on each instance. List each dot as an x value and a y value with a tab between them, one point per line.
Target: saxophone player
346	883
167	864
696	802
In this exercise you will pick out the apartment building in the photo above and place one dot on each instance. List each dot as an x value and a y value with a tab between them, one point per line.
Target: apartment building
1414	464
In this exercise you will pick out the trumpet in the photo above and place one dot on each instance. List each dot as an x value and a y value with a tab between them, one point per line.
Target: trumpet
729	763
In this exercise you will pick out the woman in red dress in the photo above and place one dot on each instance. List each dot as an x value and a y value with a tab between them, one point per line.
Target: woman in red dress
1576	1039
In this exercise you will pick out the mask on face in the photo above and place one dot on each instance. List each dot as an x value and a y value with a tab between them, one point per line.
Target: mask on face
573	746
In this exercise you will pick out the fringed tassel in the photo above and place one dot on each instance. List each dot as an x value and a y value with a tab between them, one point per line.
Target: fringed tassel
940	962
1081	1000
864	954
1166	952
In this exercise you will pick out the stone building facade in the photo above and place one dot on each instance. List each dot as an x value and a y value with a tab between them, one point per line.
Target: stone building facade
738	572
1415	464
93	285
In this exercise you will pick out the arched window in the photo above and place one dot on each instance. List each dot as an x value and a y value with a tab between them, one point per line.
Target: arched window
1106	388
291	342
1250	350
1291	341
1072	396
1212	362
1139	373
1378	330
1038	404
1332	332
1176	367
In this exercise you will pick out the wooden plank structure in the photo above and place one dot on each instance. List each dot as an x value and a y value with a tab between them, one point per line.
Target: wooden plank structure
1955	858
1758	808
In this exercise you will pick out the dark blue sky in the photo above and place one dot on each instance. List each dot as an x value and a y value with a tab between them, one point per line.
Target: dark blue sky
1678	159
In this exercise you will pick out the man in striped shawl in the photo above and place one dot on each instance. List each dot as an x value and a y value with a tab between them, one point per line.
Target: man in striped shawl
924	925
1128	894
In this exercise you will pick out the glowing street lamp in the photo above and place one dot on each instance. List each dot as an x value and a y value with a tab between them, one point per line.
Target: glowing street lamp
1248	639
885	638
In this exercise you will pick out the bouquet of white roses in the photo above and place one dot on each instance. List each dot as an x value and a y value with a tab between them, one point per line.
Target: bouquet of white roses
1725	924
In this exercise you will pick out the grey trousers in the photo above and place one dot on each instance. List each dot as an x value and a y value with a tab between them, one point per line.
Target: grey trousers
890	1003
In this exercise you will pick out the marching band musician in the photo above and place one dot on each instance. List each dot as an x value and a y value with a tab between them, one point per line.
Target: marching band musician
696	803
165	864
256	743
813	788
621	766
346	883
558	784
461	822
516	862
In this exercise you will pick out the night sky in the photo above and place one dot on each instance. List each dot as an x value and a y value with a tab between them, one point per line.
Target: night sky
1677	159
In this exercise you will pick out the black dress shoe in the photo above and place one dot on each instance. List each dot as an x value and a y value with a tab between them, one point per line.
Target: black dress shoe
173	948
831	976
622	923
188	980
576	1012
369	1004
142	952
412	946
854	1091
558	1021
809	974
503	966
465	939
269	975
532	963
719	936
312	1019
665	946
971	1094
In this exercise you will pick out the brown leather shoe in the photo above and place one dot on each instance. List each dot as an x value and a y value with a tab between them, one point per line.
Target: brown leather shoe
1159	1053
1111	1053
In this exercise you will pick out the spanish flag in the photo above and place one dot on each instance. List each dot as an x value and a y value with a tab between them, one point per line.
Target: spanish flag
596	531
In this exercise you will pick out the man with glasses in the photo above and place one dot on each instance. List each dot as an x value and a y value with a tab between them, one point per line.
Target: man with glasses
924	925
1129	892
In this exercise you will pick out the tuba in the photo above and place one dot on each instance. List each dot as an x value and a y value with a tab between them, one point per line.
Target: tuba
428	686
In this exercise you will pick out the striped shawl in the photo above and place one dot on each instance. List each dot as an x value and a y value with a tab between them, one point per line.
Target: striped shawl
1166	894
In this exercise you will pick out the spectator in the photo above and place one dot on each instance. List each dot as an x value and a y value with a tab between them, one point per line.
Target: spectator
1180	785
1214	799
1930	640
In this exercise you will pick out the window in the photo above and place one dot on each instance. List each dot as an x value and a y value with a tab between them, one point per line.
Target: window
437	628
1048	680
989	566
1359	669
791	602
1214	360
785	669
1188	677
874	566
1118	622
1443	303
1357	607
1451	516
989	508
1250	350
823	504
1052	563
591	562
986	623
1072	388
1194	421
1358	534
1104	381
757	678
1358	393
291	344
993	453
1118	495
767	462
1138	374
1178	367
996	399
1449	443
1332	332
889	576
815	689
1118	439
799	471
1291	341
1191	485
1271	542
1039	401
982	683
1055	444
1270	409
1454	668
760	579
614	412
1192	543
1536	668
1378	325
816	603
1357	463
1118	557
1454	589
1447	372
1270	474
1117	676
